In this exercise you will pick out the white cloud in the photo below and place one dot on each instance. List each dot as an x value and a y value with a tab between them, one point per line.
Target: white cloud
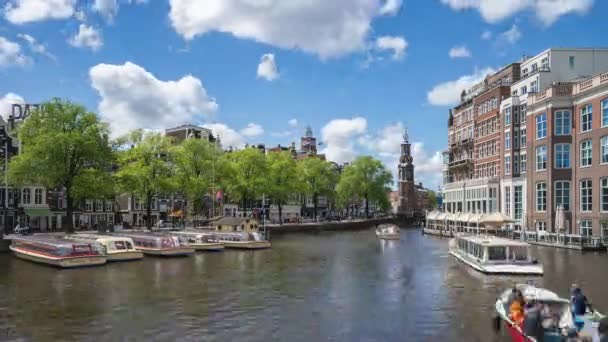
511	35
267	69
87	36
80	15
397	45
339	137
106	8
448	93
35	46
252	130
391	7
228	136
132	97
26	11
324	28
548	11
6	104
428	166
460	52
11	54
486	35
293	122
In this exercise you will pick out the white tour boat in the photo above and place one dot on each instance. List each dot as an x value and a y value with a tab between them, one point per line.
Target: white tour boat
243	240
202	241
57	251
388	232
494	255
116	248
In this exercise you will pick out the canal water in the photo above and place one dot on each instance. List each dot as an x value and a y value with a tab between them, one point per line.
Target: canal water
345	286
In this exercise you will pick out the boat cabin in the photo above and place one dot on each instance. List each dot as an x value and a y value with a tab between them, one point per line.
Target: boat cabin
235	224
111	243
490	249
142	240
57	247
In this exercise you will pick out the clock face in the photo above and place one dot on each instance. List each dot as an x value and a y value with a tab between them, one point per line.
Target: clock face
409	174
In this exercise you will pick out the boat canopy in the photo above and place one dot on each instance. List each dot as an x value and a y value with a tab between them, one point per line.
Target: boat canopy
441	217
156	241
56	246
474	218
432	215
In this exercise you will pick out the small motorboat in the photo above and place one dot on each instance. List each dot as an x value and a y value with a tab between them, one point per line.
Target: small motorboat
202	241
388	232
243	240
556	320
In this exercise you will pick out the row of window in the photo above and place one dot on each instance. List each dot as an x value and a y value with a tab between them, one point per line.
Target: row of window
519	164
486	170
464	116
487	127
487	106
517	201
26	196
98	205
563	152
518	113
586	228
544	65
487	149
563	120
562	195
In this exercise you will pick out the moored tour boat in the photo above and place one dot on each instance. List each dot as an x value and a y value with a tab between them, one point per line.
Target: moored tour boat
388	232
557	321
57	251
243	240
116	248
202	241
161	245
494	255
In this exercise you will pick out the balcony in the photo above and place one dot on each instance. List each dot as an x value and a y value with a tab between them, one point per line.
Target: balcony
466	161
461	143
563	89
471	183
595	81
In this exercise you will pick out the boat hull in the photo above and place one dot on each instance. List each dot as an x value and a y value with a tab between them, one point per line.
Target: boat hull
395	236
523	270
67	262
208	247
125	256
168	252
247	244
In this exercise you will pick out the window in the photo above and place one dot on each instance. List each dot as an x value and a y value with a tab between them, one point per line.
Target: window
38	196
507	116
544	64
541	196
524	90
541	126
562	156
604	195
507	140
586	228
516	164
586	153
586	195
516	139
562	194
497	253
514	93
525	72
507	165
604	150
604	112
571	62
541	226
534	67
108	205
522	113
137	203
534	86
563	122
522	137
99	205
523	163
88	205
541	158
27	196
518	198
508	201
586	118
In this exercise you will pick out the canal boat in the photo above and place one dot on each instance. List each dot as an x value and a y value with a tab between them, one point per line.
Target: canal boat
202	241
57	251
116	248
160	245
388	232
243	240
557	323
494	255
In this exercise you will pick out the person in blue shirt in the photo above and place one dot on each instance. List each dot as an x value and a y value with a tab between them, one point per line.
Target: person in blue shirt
579	302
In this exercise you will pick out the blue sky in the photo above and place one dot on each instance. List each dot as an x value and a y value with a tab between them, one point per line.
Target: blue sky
357	71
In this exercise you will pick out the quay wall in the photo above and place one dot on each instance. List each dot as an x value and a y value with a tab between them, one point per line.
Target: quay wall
334	226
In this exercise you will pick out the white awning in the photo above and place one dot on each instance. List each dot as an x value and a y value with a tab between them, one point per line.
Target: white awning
432	215
441	217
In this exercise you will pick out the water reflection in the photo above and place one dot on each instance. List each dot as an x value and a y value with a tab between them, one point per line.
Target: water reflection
308	287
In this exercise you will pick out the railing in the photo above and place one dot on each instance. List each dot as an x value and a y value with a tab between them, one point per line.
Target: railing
585	85
471	183
568	240
604	77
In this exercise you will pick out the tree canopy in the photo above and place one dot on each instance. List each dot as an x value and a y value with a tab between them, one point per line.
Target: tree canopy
318	178
63	146
244	176
282	179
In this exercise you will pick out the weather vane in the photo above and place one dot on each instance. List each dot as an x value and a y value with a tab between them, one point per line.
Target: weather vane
405	136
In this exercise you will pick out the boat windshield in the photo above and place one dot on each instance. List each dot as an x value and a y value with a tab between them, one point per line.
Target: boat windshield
497	253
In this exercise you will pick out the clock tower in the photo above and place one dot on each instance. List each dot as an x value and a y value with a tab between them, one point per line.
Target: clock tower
407	187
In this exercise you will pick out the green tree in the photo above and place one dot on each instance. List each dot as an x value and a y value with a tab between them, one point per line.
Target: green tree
347	190
432	199
194	166
318	178
282	179
370	179
145	167
244	175
63	147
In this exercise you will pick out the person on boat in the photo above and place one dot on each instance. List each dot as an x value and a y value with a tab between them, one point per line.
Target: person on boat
516	309
579	302
532	320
